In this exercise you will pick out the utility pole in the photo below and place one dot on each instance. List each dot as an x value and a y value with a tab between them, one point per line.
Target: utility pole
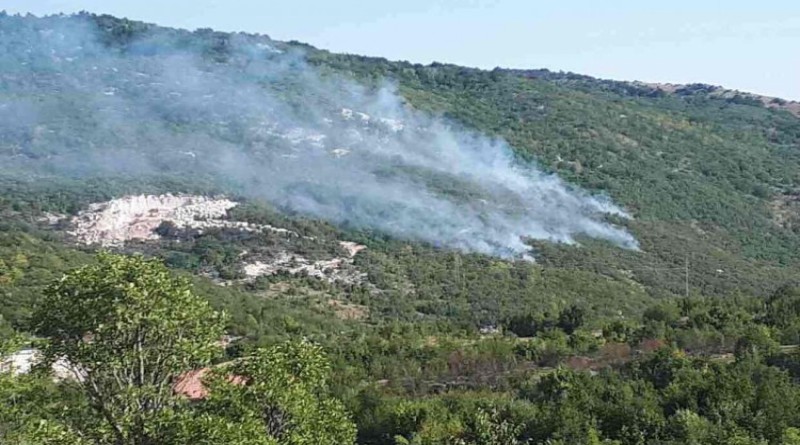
457	263
686	276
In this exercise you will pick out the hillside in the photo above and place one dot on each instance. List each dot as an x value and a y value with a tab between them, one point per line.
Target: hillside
406	217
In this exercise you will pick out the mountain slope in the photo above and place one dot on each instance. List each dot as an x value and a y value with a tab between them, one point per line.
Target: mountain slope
709	179
702	174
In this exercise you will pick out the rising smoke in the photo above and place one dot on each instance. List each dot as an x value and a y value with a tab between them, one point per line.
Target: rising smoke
310	141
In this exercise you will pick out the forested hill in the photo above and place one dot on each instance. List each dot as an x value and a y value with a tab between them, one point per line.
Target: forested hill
708	175
471	256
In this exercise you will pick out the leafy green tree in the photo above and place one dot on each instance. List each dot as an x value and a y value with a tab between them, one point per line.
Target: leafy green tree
791	436
756	343
783	312
526	325
660	367
128	328
12	270
689	428
571	318
489	428
29	404
278	395
783	306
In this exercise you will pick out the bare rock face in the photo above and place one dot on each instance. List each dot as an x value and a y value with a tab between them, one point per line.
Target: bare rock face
339	269
52	219
23	361
112	223
351	248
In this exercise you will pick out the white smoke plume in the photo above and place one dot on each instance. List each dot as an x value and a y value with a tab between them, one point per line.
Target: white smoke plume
278	129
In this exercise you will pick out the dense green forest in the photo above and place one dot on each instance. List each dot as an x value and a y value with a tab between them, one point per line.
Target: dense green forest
691	339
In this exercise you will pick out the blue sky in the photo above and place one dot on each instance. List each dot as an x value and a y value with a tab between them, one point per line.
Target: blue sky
743	44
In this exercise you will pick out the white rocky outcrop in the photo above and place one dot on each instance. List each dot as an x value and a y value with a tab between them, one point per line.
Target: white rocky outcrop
394	125
339	269
114	222
351	248
23	361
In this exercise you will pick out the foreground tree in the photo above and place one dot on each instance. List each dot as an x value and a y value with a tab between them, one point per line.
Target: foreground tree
276	396
128	328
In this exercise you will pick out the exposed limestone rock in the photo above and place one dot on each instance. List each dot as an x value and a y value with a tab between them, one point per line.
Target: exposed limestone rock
340	270
112	223
351	247
23	361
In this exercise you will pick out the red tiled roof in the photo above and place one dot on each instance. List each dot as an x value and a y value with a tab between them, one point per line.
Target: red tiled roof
190	384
